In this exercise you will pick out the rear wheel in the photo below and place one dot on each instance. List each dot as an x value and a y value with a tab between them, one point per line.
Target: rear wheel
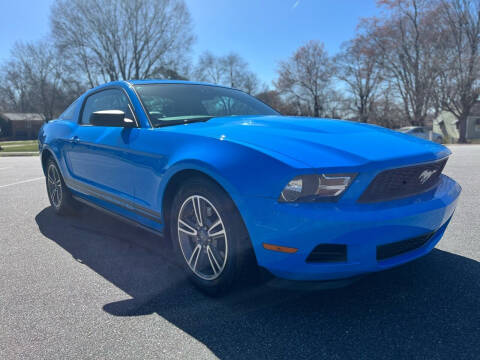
60	197
208	235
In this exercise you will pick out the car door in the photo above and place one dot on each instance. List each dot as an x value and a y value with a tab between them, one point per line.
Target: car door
98	157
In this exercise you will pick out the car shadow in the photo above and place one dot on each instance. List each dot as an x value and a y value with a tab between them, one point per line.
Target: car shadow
429	308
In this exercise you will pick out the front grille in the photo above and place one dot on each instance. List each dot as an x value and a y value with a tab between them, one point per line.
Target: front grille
328	253
387	251
403	182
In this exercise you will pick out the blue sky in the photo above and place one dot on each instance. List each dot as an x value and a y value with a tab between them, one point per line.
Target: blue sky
262	31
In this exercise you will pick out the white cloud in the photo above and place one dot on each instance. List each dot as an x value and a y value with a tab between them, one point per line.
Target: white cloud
296	4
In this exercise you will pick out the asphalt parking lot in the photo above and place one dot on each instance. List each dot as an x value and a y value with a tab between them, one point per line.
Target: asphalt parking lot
93	287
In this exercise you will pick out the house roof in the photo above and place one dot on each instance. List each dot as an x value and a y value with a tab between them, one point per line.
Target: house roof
23	116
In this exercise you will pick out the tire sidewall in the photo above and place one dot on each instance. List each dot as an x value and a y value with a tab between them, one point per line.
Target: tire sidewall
229	216
62	208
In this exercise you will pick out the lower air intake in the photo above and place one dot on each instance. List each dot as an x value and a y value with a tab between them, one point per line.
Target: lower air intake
387	251
328	253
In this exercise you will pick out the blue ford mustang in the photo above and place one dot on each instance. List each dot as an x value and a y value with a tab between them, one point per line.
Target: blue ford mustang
228	179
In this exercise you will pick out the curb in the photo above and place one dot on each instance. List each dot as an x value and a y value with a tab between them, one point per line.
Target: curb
6	154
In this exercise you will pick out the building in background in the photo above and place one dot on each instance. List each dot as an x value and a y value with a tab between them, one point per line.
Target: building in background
446	124
20	126
473	123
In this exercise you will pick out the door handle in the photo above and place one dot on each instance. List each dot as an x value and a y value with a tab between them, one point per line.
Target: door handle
75	139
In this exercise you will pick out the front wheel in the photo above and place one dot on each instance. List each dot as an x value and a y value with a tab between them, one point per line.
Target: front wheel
208	235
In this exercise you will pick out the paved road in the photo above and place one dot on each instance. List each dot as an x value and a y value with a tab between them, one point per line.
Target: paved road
92	287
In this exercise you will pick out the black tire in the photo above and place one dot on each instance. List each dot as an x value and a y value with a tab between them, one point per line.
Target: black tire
236	244
58	194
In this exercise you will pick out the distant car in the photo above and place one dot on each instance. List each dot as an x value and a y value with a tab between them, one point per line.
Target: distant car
422	133
226	178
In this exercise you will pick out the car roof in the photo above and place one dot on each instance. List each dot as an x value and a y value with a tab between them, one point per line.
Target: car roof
129	83
161	81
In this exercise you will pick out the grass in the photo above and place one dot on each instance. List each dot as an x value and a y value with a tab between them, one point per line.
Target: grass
19	146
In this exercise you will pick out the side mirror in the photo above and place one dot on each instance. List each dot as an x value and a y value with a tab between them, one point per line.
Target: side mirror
114	118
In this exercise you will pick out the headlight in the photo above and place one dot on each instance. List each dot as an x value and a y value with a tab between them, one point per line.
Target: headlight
310	188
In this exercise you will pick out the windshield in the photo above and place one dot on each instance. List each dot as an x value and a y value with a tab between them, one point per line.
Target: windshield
168	104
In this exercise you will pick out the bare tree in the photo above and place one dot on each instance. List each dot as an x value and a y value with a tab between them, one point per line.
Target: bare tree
276	101
229	70
357	66
336	105
209	68
234	67
305	78
408	40
34	80
123	39
461	77
387	108
250	83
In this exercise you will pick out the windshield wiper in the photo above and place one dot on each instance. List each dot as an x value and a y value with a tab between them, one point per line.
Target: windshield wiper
182	121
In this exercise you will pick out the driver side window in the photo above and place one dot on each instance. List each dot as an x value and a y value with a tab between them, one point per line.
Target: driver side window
111	99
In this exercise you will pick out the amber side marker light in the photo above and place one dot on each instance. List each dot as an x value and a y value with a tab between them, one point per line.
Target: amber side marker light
284	249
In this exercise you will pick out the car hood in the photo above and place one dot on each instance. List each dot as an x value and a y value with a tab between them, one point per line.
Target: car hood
317	142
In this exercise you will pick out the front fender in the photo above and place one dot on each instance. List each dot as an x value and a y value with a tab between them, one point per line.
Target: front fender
200	166
242	172
238	168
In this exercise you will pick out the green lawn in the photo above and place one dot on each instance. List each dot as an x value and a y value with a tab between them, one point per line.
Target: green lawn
19	146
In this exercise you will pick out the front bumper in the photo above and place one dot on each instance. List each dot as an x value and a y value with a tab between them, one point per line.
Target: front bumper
361	227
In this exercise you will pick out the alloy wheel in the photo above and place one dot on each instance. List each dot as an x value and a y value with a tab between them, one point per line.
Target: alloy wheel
54	186
202	237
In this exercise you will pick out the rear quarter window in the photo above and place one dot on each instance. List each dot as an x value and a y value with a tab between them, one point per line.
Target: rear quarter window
69	114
